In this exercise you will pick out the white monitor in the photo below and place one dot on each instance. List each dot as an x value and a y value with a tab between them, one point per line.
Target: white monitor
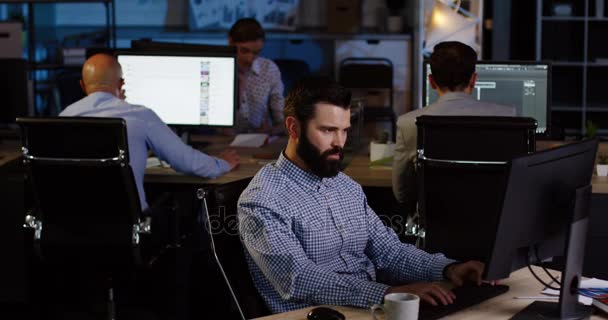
183	89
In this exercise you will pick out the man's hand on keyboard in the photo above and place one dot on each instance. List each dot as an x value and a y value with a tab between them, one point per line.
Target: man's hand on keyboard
430	293
461	272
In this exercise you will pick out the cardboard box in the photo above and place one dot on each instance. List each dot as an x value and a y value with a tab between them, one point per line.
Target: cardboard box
343	16
10	40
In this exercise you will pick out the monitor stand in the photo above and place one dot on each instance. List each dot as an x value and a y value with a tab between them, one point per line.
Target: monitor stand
568	306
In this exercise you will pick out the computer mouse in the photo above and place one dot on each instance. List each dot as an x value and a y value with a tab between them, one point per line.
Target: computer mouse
324	313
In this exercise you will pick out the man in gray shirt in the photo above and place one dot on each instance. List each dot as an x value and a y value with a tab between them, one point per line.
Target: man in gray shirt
453	77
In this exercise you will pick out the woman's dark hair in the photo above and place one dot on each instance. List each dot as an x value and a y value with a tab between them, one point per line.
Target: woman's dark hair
245	30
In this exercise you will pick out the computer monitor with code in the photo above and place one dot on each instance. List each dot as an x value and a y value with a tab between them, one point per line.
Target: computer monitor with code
522	85
184	89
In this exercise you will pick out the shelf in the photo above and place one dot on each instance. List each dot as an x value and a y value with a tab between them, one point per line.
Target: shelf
51	1
578	64
177	33
570	18
562	41
597	109
568	63
553	18
566	109
52	66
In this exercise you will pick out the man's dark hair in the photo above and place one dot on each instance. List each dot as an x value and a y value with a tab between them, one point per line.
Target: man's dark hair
245	30
302	98
453	65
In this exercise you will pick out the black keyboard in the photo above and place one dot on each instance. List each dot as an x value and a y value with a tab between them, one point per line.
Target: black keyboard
466	296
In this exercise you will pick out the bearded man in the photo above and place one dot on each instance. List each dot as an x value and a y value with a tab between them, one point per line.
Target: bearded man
310	237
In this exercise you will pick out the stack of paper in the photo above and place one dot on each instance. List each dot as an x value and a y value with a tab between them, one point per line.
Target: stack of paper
251	140
587	285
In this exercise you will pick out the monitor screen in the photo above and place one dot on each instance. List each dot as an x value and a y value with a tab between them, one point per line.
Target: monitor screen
524	86
183	89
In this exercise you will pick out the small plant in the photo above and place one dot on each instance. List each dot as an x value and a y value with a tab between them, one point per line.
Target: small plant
383	138
602	165
591	129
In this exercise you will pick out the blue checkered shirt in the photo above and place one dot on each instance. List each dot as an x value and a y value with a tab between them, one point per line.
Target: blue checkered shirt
316	241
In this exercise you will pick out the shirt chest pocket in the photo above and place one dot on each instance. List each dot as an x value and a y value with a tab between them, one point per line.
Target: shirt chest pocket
317	233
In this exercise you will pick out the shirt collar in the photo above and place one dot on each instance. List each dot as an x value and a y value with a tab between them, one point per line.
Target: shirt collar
255	66
301	176
100	97
457	95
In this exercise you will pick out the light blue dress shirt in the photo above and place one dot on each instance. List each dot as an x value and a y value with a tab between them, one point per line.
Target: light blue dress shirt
145	130
316	241
261	96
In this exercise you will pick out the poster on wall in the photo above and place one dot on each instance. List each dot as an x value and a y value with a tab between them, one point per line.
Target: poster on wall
221	14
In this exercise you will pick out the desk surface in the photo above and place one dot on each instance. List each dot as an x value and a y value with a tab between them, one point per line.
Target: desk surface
252	160
9	151
360	171
358	167
521	283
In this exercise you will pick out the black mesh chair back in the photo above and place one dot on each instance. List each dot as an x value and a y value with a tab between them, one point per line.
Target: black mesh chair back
86	201
461	172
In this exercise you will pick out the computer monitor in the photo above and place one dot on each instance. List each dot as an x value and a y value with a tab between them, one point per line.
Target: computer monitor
13	90
522	85
184	89
545	214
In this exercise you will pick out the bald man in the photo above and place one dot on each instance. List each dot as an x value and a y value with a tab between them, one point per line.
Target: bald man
102	82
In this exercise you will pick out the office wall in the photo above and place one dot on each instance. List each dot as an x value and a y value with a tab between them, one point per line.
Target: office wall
128	13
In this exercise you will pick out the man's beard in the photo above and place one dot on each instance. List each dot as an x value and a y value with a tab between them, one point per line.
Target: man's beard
318	161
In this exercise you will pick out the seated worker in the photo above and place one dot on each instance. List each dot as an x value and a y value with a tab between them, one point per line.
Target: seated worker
309	234
260	86
453	76
102	82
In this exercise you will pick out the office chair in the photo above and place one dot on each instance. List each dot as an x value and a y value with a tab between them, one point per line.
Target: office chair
374	76
292	70
87	213
461	171
228	250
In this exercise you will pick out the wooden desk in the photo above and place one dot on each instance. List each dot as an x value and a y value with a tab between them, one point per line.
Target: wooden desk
358	167
521	283
360	171
9	151
250	163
